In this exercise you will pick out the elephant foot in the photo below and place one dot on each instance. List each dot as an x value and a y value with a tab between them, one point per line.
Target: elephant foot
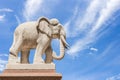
13	54
13	59
38	61
25	63
50	63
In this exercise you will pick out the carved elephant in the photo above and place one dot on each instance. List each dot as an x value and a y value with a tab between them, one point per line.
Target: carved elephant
38	35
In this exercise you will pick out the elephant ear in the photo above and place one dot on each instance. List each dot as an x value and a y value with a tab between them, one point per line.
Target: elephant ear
43	26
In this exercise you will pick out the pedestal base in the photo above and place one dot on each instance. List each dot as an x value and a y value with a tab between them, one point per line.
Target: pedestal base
30	72
12	74
30	66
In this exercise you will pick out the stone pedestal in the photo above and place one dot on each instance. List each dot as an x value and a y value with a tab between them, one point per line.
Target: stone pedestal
30	72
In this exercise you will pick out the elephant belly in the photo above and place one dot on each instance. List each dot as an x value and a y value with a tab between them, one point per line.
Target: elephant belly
29	44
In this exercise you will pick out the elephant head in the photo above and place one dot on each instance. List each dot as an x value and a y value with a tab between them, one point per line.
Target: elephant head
54	29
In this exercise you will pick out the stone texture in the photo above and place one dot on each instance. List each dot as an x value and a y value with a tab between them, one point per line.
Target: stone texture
30	74
30	66
37	35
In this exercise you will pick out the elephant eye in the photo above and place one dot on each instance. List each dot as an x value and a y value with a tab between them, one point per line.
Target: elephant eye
54	24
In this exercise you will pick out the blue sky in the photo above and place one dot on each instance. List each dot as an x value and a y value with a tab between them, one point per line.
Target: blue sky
93	32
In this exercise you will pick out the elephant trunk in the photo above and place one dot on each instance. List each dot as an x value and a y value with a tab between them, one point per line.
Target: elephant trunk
62	49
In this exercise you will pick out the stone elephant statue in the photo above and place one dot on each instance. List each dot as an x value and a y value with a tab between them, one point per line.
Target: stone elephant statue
38	35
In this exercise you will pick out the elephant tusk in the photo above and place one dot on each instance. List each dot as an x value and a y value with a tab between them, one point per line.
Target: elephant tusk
64	41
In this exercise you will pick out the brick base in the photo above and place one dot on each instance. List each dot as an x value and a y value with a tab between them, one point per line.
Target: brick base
28	74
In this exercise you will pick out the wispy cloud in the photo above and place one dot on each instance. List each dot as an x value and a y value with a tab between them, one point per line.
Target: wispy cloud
17	18
2	17
108	49
6	55
116	77
3	62
93	49
37	8
107	59
98	16
6	10
107	12
85	22
31	8
81	44
67	25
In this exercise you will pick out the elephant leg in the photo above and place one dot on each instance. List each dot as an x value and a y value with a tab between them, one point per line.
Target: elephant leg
15	48
38	55
12	50
49	58
43	43
25	56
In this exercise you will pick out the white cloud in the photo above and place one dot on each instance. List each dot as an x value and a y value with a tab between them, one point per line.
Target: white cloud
116	77
31	8
6	55
81	44
36	8
110	6
67	24
6	10
2	17
2	64
91	13
3	61
83	24
94	49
